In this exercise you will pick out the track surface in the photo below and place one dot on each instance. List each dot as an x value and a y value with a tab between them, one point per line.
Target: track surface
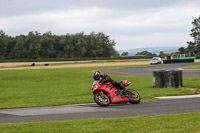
152	107
148	70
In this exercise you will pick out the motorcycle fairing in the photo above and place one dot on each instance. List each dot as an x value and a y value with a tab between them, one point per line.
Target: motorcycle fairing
110	89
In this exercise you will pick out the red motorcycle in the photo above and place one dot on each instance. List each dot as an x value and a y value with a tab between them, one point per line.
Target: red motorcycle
106	94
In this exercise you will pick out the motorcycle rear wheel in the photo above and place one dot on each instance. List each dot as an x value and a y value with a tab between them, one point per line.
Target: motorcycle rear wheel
102	99
133	96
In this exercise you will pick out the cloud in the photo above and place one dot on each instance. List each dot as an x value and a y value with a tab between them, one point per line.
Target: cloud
160	18
71	20
137	25
158	39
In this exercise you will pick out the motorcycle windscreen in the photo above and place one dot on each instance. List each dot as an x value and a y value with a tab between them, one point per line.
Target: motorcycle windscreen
94	83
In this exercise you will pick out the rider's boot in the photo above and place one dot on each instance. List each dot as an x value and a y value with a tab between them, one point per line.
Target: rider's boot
118	92
124	89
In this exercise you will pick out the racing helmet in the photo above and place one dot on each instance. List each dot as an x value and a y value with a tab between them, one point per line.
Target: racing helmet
96	75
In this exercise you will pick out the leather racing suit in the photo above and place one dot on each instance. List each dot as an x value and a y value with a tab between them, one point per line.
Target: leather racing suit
105	79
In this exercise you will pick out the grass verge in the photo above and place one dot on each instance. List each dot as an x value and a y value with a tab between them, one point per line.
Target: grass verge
192	67
174	123
51	87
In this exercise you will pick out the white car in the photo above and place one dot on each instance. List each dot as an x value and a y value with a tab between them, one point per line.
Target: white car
156	60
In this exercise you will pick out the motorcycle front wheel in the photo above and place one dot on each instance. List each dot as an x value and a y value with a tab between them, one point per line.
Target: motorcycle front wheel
133	96
102	99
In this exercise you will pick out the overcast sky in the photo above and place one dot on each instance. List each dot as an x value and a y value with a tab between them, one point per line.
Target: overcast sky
131	23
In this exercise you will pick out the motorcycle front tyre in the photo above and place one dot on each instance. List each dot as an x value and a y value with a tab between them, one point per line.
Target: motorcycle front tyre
134	96
102	101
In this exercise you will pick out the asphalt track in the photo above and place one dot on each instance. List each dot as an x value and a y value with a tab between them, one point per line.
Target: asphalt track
147	71
57	113
88	111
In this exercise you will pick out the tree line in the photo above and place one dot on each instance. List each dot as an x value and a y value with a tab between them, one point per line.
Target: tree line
48	46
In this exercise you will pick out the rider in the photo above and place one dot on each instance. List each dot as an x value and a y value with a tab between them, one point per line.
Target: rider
104	78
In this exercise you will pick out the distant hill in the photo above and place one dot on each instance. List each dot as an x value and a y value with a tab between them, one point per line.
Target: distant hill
155	50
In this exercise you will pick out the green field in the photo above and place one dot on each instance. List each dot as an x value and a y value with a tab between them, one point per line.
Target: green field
176	123
51	87
192	67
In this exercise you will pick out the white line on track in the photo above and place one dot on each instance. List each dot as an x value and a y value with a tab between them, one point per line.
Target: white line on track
179	97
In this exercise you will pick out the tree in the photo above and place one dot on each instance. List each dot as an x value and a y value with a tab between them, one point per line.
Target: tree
194	47
6	45
161	54
125	54
182	50
146	53
117	54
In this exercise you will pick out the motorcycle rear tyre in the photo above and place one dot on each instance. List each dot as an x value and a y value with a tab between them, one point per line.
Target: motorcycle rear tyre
107	96
136	99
